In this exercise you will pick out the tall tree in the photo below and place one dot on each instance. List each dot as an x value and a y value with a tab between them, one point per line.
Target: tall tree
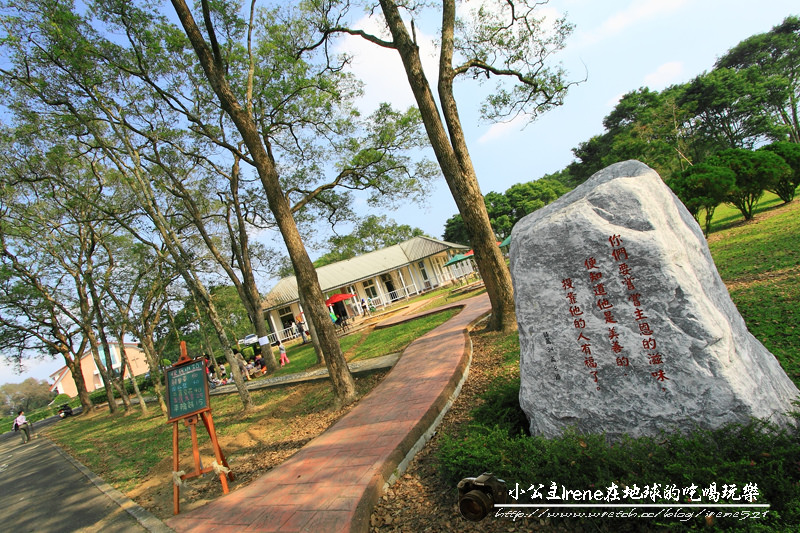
28	395
501	39
213	64
703	187
774	55
727	106
786	186
755	172
38	303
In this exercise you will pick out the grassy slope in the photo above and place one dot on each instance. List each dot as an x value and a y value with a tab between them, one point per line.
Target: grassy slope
760	263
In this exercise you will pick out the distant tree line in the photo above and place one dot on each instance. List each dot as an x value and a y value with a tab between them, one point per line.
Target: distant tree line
506	209
726	136
28	395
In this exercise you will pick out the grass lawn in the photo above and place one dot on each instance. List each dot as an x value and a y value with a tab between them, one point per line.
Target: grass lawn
365	344
760	264
132	451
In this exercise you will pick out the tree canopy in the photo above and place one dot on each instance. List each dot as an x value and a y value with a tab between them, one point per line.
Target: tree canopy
508	208
372	233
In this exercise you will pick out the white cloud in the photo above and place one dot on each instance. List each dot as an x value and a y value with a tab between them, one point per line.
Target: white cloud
664	75
381	69
612	102
637	12
500	130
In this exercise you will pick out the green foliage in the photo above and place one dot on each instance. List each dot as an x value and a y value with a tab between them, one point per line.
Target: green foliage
248	353
372	233
455	230
787	184
98	396
508	208
755	173
774	55
500	407
728	105
195	330
758	453
703	186
61	399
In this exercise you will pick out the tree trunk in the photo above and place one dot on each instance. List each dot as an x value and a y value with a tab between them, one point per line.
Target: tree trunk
454	160
112	401
123	354
209	351
203	296
307	282
312	332
117	383
150	354
252	302
74	366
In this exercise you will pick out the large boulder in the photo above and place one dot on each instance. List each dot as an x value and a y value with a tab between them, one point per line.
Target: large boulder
625	325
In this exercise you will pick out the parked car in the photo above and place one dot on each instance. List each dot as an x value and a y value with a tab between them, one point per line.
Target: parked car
250	339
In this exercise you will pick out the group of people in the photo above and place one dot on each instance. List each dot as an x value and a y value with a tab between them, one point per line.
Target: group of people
24	427
258	366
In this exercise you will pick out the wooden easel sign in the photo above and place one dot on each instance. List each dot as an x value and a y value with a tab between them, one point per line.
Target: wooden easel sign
187	400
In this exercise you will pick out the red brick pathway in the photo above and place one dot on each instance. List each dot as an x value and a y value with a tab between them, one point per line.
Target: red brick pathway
333	483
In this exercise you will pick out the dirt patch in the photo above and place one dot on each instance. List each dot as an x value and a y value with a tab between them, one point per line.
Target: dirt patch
787	275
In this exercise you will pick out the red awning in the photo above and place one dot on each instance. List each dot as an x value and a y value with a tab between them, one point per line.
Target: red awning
339	297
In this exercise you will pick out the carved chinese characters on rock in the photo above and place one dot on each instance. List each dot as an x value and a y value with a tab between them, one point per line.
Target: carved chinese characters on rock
617	294
600	305
649	344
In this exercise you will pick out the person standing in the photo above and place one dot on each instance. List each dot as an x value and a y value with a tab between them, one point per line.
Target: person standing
300	322
282	350
24	427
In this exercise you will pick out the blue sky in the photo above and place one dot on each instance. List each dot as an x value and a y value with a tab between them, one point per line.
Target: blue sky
620	45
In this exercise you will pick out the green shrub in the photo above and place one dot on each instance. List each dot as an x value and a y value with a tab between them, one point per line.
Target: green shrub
60	399
501	406
248	353
98	396
757	453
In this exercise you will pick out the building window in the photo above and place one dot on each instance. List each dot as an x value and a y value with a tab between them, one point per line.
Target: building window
369	288
285	316
426	282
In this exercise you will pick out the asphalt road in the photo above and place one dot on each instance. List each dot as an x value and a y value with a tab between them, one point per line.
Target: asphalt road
43	490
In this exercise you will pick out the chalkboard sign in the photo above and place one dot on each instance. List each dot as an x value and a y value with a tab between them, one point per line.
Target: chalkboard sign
187	389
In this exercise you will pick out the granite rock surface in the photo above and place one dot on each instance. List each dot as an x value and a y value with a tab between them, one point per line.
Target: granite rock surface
625	324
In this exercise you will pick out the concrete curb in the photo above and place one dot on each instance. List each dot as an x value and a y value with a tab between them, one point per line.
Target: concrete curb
142	515
359	367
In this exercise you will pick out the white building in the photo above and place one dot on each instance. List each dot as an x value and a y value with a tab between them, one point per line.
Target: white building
382	277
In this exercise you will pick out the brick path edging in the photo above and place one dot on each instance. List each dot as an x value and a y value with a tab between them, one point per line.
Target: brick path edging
332	484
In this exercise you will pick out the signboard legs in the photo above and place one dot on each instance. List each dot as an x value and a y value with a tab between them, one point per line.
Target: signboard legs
220	465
